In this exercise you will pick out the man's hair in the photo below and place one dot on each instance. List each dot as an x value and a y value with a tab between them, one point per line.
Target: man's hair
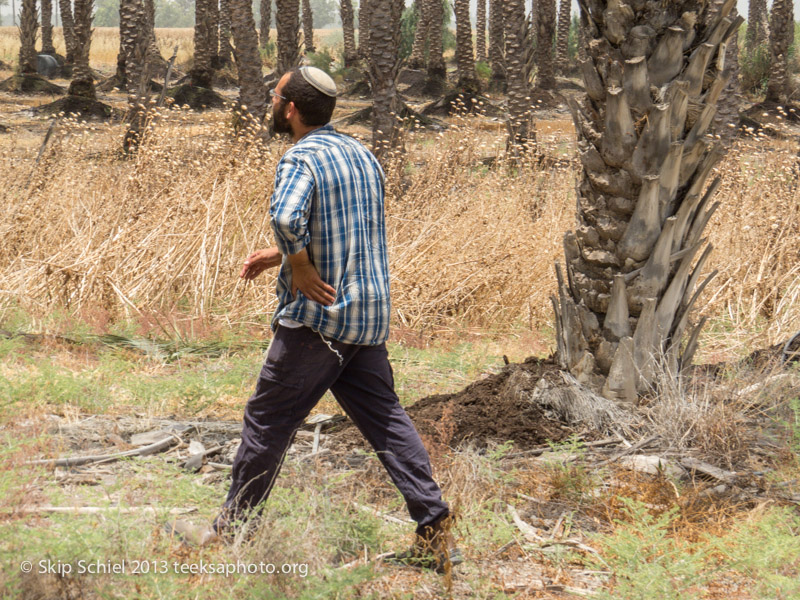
315	108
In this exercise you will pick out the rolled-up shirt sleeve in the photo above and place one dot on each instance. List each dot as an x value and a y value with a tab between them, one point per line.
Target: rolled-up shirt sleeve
290	205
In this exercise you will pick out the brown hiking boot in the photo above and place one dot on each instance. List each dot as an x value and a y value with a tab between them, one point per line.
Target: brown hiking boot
433	548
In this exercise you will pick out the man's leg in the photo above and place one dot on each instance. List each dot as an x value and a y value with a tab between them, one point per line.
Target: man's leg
299	369
365	389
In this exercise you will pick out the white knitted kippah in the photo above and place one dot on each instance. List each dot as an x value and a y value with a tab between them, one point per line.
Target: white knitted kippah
319	79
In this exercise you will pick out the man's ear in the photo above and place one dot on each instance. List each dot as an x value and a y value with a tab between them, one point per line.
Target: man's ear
291	109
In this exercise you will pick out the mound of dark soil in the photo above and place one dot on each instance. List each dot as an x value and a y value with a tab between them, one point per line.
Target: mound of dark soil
197	98
86	108
487	411
3	128
364	116
30	84
462	103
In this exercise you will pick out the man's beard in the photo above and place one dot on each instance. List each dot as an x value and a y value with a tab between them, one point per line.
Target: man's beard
280	123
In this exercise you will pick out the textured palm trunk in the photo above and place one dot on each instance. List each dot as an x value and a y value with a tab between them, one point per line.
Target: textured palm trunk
266	7
133	21
517	56
153	53
436	78
545	33
308	27
225	47
213	31
384	36
363	29
252	91
82	83
562	37
652	80
480	32
287	22
727	118
127	37
757	27
348	32
416	59
47	27
496	45
781	37
202	69
28	26
68	28
467	79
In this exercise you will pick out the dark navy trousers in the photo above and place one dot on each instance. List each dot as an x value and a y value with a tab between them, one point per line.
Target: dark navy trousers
300	367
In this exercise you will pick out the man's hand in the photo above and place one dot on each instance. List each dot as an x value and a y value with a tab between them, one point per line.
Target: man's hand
259	261
306	278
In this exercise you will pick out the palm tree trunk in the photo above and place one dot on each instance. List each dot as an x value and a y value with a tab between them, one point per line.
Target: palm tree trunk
562	38
781	37
348	32
757	19
47	28
517	40
545	32
213	31
416	59
266	7
202	69
642	199
727	118
287	22
133	21
496	45
28	26
384	36
480	34
225	47
436	78
82	83
68	28
308	27
252	91
363	29
467	79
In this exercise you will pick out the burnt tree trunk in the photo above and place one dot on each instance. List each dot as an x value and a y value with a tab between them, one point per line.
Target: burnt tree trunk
517	59
480	32
348	32
47	28
416	59
308	27
562	37
467	79
781	37
545	33
497	45
252	91
287	22
263	38
384	36
28	28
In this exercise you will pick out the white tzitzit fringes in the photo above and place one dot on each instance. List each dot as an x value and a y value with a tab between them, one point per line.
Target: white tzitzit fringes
332	349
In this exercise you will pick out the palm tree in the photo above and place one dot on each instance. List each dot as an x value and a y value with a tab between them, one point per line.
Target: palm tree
518	73
480	34
213	31
467	79
82	83
202	67
47	28
308	27
545	31
496	45
384	36
133	25
225	48
781	37
416	60
348	32
652	81
68	28
252	91
363	29
436	75
562	38
28	27
727	118
266	6
287	22
757	17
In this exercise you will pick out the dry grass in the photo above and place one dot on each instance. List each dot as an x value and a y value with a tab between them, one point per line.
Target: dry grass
471	247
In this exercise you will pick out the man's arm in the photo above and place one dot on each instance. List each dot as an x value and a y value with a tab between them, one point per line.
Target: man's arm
259	261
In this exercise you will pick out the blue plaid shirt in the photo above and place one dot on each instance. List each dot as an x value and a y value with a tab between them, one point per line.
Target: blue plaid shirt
329	199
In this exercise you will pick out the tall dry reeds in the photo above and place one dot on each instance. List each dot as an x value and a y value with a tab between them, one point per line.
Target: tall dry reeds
471	246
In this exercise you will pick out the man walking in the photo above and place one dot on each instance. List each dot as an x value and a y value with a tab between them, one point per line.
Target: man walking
332	321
